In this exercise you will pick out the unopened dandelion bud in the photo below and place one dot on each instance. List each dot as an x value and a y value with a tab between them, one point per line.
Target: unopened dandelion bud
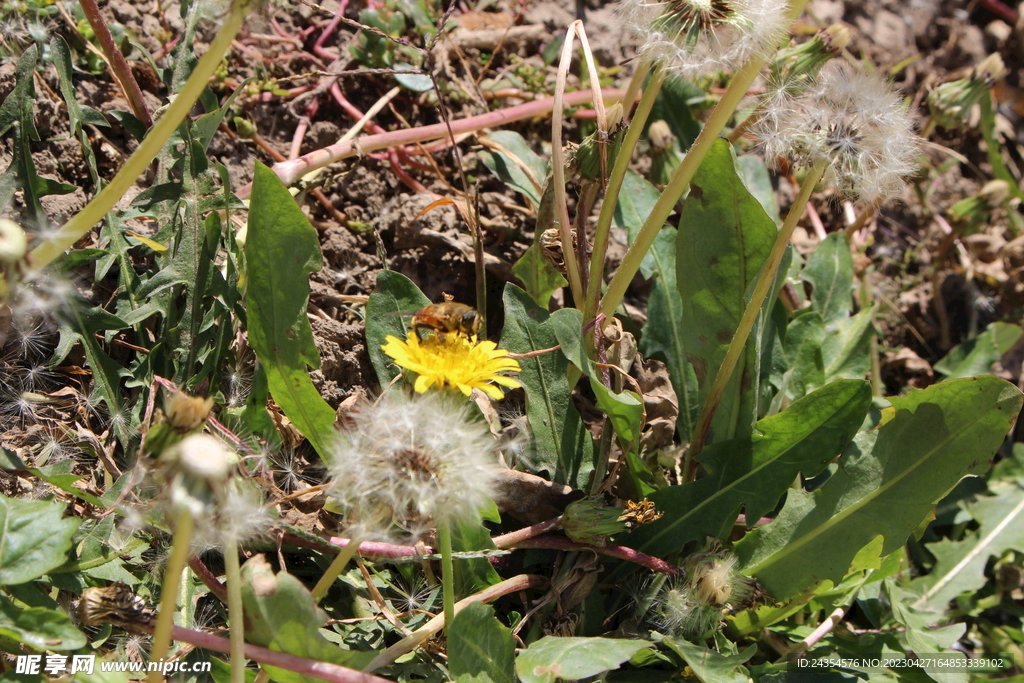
13	242
970	215
660	136
794	68
665	157
950	103
589	520
837	36
187	413
991	69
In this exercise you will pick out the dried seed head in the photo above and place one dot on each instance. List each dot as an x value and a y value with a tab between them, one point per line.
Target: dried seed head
691	38
851	120
408	462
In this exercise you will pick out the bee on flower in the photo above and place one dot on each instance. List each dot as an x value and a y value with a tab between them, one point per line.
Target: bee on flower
454	360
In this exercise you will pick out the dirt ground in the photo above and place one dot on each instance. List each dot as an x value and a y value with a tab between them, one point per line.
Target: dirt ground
920	43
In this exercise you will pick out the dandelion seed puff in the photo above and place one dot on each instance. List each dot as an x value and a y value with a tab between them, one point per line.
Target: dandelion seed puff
407	463
691	38
854	122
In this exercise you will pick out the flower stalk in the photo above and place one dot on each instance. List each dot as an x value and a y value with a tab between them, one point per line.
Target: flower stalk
615	180
444	544
180	549
680	180
750	313
334	570
233	578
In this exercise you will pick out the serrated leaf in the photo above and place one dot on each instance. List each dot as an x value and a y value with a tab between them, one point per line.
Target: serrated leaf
887	481
281	250
35	537
758	181
928	634
755	471
39	627
395	294
560	440
570	659
830	272
480	648
976	356
960	565
724	238
710	666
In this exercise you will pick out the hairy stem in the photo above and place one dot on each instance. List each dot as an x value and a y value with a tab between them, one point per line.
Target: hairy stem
151	145
750	313
180	549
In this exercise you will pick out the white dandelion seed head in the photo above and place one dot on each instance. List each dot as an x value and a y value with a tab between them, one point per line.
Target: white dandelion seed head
853	121
407	463
239	515
691	38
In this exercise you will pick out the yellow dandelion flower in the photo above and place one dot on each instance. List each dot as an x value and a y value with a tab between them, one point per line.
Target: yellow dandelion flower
454	360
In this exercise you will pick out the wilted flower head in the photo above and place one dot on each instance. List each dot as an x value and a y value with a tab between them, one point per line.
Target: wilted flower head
693	604
454	360
695	37
408	462
851	120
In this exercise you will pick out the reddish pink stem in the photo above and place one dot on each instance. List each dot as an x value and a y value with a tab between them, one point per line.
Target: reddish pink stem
322	670
619	551
331	27
520	535
290	171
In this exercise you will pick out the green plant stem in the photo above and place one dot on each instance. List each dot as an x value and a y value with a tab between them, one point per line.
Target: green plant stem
233	578
635	82
118	64
682	176
420	635
611	197
180	549
334	570
151	145
444	544
750	313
